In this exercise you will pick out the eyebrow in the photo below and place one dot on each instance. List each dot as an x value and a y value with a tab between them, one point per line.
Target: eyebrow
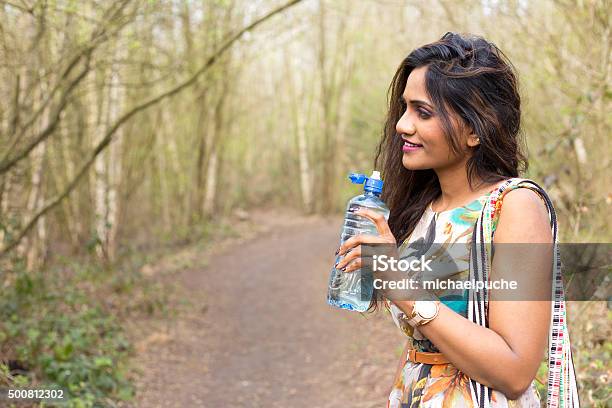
417	102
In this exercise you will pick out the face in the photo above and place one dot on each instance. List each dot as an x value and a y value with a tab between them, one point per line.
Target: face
425	146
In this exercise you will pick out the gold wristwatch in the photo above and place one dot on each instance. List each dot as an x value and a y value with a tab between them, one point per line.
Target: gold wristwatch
423	312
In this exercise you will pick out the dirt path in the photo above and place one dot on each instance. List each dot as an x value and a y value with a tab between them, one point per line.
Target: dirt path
260	334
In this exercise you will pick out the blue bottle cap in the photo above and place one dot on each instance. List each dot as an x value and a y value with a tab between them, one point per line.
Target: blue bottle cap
373	184
357	178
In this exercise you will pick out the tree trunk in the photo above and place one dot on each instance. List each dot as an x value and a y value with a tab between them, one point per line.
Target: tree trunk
211	185
328	193
35	243
296	95
100	117
115	161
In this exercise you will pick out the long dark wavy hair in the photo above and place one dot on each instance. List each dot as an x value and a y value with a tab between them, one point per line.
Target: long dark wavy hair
471	79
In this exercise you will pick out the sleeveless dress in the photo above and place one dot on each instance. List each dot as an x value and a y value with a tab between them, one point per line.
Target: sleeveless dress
443	385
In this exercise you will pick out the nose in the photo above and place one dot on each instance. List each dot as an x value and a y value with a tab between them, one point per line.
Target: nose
405	125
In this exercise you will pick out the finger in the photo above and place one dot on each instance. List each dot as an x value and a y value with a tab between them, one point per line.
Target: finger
378	219
358	240
353	266
350	255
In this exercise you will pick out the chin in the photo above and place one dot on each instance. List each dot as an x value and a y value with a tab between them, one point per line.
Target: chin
412	164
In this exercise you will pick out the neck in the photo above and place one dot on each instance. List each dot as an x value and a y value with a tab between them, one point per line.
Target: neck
455	187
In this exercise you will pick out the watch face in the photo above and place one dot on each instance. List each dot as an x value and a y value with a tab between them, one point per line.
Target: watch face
427	309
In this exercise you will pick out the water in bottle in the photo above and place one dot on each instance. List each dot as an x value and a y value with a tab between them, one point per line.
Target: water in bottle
353	290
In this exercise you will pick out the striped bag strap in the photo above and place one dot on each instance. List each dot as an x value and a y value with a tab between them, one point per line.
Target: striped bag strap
562	386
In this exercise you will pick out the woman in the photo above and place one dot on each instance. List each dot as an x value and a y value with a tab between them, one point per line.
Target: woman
451	155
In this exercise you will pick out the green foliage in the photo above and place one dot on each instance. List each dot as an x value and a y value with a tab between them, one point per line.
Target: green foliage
592	348
64	337
594	375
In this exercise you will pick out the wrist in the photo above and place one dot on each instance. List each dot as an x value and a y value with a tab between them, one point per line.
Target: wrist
421	312
406	306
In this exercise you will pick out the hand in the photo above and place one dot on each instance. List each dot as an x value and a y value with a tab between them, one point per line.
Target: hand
352	260
351	248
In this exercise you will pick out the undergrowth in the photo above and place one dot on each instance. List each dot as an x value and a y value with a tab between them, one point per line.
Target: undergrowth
61	328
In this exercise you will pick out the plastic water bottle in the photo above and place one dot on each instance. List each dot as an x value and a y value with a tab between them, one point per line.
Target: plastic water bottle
353	290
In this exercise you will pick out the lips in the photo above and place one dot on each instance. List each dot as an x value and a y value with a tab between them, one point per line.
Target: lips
410	146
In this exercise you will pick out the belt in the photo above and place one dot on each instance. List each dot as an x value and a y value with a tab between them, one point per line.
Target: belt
426	358
438	358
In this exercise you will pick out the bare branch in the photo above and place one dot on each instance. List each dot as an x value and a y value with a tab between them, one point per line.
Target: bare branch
8	163
108	137
98	37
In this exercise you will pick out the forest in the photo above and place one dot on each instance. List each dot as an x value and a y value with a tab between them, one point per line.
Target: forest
135	130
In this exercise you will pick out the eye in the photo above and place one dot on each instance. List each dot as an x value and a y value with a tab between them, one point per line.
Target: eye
423	114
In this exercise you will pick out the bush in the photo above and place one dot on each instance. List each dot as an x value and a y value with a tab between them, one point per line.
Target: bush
55	334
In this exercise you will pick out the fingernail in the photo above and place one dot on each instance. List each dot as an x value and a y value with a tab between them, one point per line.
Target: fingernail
343	269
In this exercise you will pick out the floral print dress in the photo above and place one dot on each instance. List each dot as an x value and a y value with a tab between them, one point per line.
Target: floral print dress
443	385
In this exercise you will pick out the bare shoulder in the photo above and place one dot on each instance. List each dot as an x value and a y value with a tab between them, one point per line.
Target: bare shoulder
524	218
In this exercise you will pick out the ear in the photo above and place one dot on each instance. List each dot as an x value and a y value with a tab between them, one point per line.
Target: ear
473	140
